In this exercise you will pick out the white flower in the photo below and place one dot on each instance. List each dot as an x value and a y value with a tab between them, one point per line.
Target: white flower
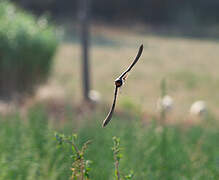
94	96
166	103
198	108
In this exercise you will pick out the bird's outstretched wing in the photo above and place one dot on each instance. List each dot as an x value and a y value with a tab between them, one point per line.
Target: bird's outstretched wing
121	77
133	63
109	116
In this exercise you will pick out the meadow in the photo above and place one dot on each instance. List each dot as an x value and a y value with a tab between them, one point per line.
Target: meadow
189	65
29	149
150	147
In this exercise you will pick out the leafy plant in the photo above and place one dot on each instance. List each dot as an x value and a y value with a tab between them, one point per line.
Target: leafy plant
117	157
27	47
80	167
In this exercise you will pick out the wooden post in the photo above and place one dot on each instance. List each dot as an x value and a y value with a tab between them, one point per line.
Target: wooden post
84	14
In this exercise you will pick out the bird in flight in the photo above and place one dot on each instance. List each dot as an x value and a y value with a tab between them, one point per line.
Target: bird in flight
118	83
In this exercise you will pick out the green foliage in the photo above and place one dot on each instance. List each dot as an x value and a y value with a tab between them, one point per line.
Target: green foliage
80	167
117	157
128	105
27	46
28	149
163	89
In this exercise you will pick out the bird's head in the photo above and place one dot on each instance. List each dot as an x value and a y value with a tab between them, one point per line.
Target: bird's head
118	82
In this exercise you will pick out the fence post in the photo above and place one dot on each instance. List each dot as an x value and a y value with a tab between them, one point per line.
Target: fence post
84	14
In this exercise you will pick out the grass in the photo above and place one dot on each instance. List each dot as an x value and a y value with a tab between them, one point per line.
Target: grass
28	150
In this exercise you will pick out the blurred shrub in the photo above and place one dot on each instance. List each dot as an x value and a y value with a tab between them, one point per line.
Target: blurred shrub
27	47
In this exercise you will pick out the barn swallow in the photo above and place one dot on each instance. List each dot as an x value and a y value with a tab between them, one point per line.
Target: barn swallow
118	83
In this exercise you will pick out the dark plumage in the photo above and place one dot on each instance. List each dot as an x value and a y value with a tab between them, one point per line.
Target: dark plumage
118	83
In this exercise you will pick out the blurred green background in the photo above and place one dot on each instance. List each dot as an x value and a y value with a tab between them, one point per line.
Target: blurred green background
41	88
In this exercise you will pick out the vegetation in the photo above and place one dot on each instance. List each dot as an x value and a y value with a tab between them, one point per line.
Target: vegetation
147	144
27	46
80	167
28	150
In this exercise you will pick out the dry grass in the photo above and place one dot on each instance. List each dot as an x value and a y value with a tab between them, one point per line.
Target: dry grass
189	65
